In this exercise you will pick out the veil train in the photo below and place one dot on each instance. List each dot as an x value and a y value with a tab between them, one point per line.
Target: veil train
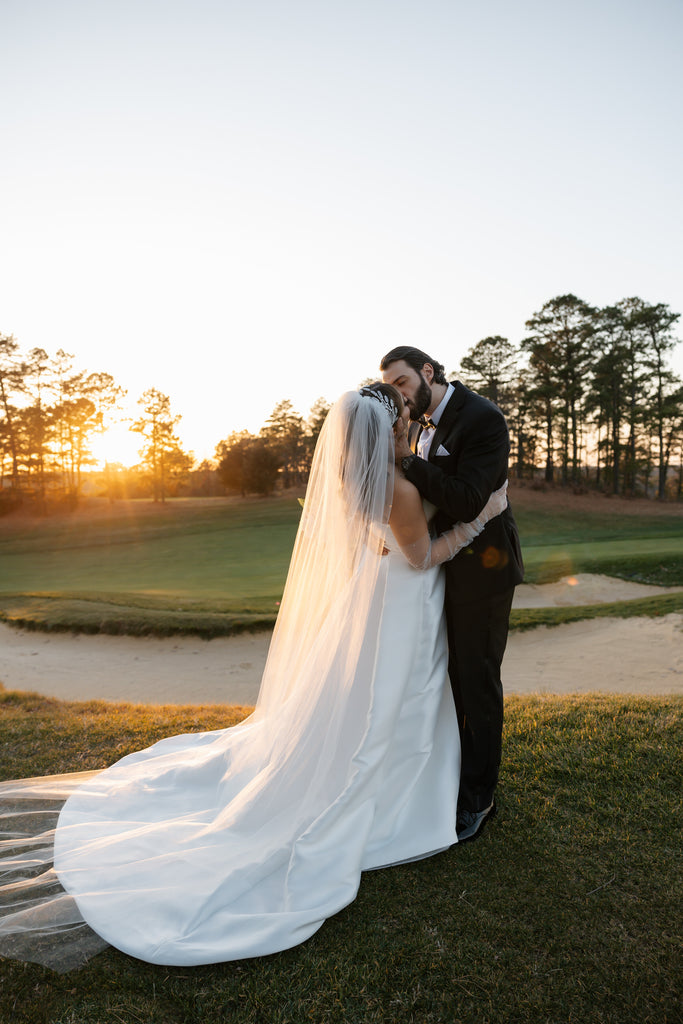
208	846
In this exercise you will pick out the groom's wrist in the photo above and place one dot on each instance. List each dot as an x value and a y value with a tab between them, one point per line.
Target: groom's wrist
407	461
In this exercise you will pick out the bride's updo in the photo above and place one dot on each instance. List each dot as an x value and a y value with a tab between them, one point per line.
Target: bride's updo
387	395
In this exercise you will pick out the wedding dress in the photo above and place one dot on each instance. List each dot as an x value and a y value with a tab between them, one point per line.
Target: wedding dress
241	842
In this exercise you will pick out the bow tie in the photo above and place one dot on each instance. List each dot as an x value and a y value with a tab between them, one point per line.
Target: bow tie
427	422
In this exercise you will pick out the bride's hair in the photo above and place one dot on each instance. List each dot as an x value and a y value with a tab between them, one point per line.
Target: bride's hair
368	416
389	396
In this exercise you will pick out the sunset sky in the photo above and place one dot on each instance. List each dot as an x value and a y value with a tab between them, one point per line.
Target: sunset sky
242	201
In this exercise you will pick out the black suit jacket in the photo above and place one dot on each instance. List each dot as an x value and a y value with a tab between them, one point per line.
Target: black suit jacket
474	441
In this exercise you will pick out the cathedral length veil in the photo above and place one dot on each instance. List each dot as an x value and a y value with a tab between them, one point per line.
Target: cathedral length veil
284	768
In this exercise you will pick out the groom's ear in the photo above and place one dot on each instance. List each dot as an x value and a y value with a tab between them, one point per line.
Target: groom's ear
428	372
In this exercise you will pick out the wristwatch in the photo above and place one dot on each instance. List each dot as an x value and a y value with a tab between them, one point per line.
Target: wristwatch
407	461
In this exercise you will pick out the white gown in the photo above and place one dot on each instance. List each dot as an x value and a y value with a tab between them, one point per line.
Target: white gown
199	874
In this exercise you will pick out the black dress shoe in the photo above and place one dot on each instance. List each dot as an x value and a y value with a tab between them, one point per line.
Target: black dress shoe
469	824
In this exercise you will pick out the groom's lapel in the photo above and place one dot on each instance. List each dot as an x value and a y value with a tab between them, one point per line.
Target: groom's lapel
448	418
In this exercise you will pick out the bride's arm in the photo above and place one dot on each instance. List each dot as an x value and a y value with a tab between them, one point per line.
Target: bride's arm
409	526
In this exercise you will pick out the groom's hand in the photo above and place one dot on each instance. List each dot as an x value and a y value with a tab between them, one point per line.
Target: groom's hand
401	448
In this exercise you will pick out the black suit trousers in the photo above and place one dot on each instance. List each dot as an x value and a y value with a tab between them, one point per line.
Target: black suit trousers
477	635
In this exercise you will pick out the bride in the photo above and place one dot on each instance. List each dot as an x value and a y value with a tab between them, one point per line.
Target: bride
240	842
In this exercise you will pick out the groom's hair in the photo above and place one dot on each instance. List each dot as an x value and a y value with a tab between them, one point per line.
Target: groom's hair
415	358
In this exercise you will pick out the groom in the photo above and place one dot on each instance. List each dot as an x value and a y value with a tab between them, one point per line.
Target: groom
456	454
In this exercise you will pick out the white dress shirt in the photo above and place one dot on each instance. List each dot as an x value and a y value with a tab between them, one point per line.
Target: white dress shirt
425	440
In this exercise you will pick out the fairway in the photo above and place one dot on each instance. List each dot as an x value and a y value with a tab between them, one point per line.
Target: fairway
215	566
642	559
218	555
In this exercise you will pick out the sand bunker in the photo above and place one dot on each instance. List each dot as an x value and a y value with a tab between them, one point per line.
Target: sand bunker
640	655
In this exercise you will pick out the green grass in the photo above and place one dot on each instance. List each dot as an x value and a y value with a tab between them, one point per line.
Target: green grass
529	618
567	910
570	520
213	567
563	534
641	559
214	550
216	566
129	615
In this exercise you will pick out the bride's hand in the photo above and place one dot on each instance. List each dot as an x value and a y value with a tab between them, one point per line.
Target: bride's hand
401	446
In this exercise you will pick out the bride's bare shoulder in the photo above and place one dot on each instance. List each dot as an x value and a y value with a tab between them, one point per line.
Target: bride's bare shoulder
404	490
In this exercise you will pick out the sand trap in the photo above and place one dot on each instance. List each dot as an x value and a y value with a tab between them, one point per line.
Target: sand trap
612	655
584	588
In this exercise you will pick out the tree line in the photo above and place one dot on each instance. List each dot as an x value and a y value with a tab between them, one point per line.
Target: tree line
280	453
588	393
52	414
590	396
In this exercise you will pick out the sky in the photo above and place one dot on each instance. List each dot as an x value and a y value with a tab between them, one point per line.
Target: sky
239	202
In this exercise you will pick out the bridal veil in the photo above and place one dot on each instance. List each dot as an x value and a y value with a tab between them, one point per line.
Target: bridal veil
208	836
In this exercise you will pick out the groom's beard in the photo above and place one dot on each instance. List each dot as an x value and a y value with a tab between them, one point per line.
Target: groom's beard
418	405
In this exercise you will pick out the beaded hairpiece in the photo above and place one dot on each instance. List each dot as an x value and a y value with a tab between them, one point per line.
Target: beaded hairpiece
383	399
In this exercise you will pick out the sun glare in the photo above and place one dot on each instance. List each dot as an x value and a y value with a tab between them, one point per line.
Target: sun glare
118	444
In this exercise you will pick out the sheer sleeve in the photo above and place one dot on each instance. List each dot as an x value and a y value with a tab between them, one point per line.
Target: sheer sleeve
426	552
